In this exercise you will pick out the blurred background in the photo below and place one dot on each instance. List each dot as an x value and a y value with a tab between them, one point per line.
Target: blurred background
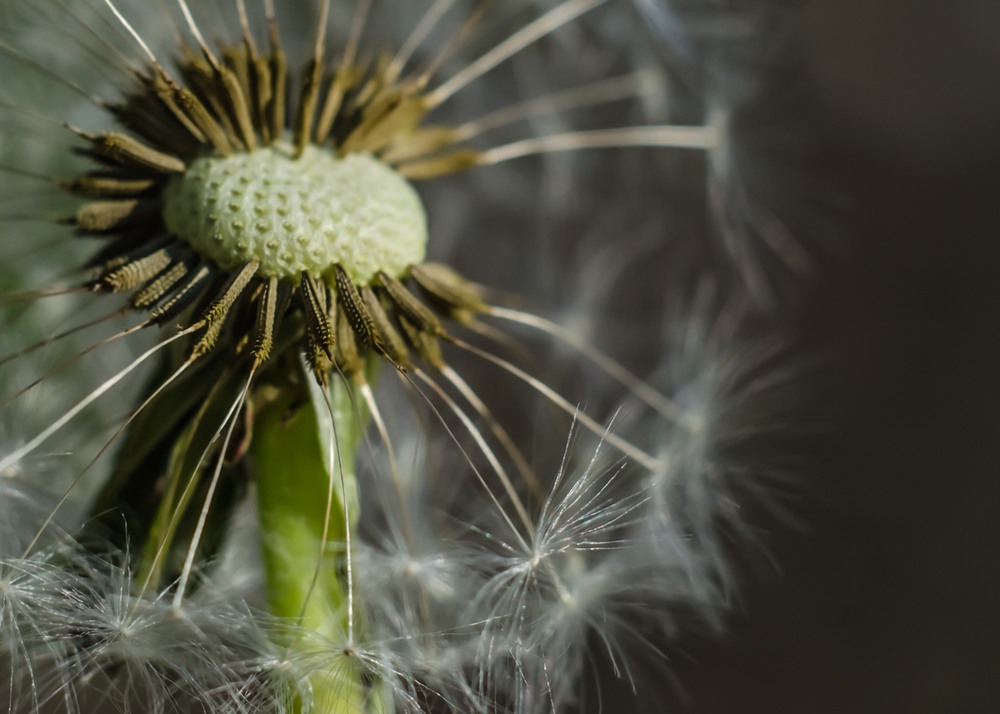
886	597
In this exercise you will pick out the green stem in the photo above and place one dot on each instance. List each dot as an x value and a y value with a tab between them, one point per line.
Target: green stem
301	500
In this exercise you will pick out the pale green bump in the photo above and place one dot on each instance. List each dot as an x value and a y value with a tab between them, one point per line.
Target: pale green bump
296	215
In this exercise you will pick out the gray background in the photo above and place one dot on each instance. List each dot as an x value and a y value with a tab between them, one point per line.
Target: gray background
887	601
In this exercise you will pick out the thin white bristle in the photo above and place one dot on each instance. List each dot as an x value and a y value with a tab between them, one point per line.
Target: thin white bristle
132	31
20	453
229	424
545	25
701	138
196	31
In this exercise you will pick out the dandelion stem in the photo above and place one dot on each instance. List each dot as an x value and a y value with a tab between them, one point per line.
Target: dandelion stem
306	497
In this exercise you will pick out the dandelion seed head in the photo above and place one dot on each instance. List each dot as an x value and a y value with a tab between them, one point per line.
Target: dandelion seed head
255	189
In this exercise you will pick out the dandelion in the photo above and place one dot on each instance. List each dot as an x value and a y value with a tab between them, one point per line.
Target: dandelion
256	179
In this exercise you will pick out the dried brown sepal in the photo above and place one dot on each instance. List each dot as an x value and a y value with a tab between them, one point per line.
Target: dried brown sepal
418	313
266	324
370	85
308	103
122	251
422	141
316	301
354	308
320	365
390	342
147	116
167	91
348	355
279	75
448	288
214	317
262	89
104	216
383	121
137	240
454	162
214	133
342	81
214	119
126	151
427	347
182	296
236	104
108	186
160	286
237	59
136	272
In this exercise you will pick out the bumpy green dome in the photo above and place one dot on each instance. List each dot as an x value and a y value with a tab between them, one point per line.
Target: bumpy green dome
295	215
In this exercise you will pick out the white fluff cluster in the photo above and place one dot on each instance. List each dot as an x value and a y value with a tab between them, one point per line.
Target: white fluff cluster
464	613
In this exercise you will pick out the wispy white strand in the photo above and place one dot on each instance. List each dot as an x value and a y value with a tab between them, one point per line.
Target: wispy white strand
20	453
545	25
